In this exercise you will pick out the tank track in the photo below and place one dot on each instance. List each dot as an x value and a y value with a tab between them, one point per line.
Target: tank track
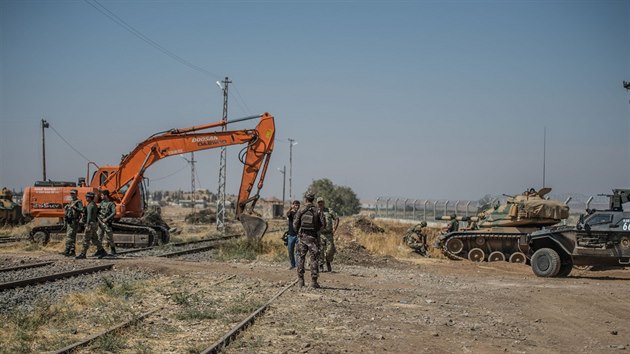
468	237
151	230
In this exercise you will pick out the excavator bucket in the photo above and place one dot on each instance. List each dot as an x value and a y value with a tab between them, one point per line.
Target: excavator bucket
255	227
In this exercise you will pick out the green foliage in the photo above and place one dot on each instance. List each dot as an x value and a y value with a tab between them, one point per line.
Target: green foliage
341	199
197	313
110	343
238	249
123	289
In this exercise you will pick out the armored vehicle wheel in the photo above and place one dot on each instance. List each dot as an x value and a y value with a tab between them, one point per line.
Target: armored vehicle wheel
518	257
480	241
565	270
476	255
496	256
454	245
546	262
40	237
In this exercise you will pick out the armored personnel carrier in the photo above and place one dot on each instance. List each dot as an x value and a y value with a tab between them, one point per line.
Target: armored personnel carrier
499	232
10	212
600	238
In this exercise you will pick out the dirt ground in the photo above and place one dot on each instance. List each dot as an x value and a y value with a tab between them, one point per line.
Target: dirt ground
374	301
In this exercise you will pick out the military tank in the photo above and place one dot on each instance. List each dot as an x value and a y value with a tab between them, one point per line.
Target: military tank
10	212
498	232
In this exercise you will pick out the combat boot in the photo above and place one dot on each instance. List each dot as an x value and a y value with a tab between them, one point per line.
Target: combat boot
112	252
315	284
80	256
301	282
101	253
328	266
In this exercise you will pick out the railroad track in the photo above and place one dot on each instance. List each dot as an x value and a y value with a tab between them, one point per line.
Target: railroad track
53	277
82	343
26	266
216	347
236	330
188	243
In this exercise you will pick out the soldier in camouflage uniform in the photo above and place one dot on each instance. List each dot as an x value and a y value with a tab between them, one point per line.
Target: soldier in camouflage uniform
327	248
453	225
106	213
308	221
71	217
90	219
416	238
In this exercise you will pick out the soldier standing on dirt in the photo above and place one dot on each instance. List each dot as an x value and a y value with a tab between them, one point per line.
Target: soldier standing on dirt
292	233
416	238
327	247
106	213
71	217
90	219
308	221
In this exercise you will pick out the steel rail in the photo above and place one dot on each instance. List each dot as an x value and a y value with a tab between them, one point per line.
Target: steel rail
26	266
188	251
52	277
91	338
234	332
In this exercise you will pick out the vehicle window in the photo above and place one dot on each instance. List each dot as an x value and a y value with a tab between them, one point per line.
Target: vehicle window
599	219
103	177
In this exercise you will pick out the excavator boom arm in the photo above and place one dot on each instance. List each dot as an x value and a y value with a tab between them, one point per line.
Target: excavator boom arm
260	142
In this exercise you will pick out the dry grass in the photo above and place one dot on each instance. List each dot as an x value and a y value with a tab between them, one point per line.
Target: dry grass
389	243
21	231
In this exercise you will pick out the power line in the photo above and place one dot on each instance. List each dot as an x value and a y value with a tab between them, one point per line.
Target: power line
119	21
171	174
66	141
238	95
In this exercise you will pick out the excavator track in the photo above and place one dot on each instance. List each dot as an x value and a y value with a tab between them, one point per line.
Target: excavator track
478	246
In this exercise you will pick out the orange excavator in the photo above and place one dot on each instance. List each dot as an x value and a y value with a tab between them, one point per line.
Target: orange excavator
126	181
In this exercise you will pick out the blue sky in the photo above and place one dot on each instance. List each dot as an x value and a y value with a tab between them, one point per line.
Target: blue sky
418	99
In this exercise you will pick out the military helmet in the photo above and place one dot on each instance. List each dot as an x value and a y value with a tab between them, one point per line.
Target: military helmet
73	191
89	195
320	199
453	216
423	224
105	192
309	195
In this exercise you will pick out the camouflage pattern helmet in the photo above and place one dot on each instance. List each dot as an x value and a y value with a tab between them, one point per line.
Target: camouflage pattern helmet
73	191
453	216
423	224
309	195
89	195
320	199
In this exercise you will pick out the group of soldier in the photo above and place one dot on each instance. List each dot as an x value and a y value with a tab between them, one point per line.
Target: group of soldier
311	231
97	219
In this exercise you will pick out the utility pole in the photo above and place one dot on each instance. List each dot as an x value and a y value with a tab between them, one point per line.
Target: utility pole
44	125
544	154
626	85
193	188
223	162
284	179
291	143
